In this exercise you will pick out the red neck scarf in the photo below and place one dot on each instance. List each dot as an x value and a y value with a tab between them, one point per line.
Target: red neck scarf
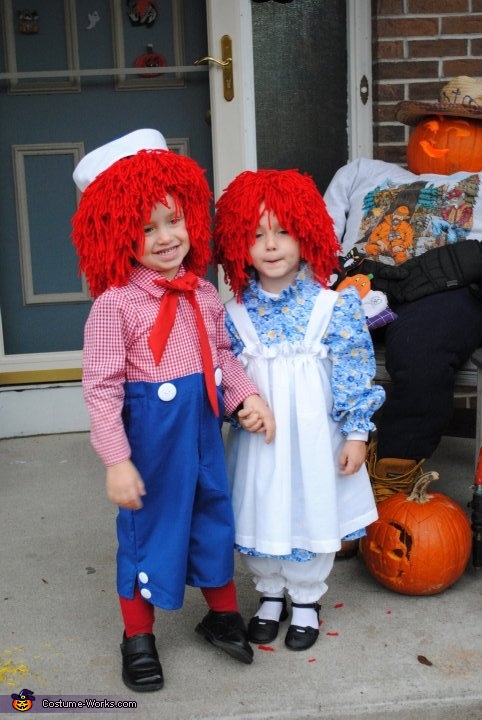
161	330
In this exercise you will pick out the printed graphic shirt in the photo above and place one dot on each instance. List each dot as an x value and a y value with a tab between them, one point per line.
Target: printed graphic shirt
391	215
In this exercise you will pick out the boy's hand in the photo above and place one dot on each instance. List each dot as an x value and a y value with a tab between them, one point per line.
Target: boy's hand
124	485
352	456
256	416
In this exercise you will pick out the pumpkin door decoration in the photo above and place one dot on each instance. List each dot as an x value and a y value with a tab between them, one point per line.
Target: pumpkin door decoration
421	542
150	59
445	145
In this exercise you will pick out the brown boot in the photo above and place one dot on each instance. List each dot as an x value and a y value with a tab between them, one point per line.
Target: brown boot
349	549
391	475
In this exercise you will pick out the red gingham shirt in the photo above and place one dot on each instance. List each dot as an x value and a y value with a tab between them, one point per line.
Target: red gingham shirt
116	351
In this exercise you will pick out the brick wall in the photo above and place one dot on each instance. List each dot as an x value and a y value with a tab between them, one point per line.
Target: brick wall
418	45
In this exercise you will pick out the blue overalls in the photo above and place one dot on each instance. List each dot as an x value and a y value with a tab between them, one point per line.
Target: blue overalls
184	533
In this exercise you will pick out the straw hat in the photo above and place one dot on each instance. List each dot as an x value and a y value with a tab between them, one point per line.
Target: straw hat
461	97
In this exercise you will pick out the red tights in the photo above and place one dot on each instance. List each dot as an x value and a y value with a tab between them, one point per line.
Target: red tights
138	614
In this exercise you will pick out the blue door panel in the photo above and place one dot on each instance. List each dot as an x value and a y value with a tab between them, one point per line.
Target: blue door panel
92	116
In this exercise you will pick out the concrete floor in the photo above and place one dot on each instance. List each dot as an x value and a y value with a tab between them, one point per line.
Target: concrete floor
60	625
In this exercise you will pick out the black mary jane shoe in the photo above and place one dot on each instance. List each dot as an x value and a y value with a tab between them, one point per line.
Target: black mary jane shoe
227	631
302	638
265	631
141	669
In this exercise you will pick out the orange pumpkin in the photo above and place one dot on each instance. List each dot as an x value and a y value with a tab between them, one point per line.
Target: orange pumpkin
22	705
361	282
150	60
23	701
445	145
420	544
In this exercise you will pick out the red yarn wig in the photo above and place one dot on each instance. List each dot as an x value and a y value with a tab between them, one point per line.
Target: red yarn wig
108	227
300	209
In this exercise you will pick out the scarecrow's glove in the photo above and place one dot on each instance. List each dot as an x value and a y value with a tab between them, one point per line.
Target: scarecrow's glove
445	268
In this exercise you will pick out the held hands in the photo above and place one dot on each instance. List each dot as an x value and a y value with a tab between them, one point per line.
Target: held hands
256	416
352	457
124	485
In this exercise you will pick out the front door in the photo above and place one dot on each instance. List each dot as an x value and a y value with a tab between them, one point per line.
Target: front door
49	122
49	119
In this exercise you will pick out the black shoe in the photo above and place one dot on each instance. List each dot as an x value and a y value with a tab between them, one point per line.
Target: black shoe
265	631
302	638
226	630
141	669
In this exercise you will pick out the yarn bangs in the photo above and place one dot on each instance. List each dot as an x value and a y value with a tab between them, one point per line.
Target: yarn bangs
297	203
108	227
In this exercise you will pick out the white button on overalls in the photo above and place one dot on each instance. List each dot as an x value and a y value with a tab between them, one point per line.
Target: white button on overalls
218	376
167	391
144	578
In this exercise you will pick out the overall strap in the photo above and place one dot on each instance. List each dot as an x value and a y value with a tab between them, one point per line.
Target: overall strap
242	321
320	315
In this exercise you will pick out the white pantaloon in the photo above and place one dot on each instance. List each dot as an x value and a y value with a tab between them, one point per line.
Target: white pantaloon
304	581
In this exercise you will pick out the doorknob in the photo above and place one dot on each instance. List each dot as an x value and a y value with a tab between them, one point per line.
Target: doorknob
226	63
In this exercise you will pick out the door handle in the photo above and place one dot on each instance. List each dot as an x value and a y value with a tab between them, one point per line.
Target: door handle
226	63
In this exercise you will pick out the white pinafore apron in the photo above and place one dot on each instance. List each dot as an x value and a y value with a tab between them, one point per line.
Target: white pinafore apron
288	494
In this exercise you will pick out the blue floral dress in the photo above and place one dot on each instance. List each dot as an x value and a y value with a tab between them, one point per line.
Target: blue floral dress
310	353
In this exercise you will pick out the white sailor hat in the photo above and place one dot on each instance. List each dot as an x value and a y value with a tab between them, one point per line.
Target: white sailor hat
104	156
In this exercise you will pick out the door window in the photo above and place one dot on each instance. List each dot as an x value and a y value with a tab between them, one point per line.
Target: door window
300	73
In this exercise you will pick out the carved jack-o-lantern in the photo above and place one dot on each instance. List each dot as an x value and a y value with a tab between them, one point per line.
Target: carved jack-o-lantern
420	544
22	705
445	145
150	59
22	702
361	282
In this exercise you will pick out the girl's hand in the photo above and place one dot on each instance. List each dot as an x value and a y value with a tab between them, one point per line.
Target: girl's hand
352	456
124	485
256	416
